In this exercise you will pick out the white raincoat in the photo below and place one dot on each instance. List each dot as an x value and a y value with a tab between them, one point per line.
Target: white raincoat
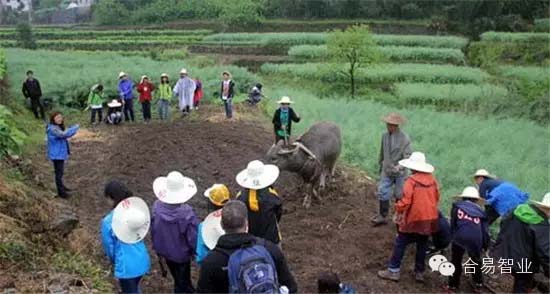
184	90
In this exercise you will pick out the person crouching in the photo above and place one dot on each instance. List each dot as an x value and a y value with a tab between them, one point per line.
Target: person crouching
114	113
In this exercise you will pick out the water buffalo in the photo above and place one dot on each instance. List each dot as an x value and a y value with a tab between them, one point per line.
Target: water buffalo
313	156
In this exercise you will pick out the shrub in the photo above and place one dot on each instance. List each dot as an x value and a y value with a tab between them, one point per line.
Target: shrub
25	38
484	52
542	25
10	137
515	37
411	11
241	13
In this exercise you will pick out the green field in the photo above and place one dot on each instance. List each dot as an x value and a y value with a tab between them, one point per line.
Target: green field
515	37
425	93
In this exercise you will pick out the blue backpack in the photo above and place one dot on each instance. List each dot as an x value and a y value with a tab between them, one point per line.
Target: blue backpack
252	270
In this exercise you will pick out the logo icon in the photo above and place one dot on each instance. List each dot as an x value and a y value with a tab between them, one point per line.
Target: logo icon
439	263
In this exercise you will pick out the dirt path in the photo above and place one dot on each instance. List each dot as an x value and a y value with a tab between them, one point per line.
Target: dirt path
333	235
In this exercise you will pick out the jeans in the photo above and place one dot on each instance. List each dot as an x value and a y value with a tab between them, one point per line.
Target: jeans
523	283
164	109
58	167
456	259
129	109
181	272
36	106
130	286
385	187
99	112
146	109
401	242
228	104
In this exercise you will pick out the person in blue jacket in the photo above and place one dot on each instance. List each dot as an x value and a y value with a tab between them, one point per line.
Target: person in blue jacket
123	238
501	197
469	228
126	92
58	149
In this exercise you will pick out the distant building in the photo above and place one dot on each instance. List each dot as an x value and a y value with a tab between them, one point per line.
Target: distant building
80	4
19	5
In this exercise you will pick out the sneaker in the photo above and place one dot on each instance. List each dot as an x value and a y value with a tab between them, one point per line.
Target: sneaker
388	275
448	289
378	220
419	277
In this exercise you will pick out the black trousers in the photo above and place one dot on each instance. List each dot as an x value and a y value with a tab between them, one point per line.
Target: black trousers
457	253
99	113
129	109
492	214
36	107
181	272
59	167
523	283
146	109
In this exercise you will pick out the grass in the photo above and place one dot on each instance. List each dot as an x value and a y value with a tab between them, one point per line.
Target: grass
424	92
531	73
57	33
383	73
393	53
542	25
2	64
456	144
515	37
85	268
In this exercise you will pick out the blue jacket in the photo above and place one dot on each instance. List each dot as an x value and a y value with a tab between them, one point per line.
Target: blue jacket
502	196
125	89
469	226
58	146
201	250
129	260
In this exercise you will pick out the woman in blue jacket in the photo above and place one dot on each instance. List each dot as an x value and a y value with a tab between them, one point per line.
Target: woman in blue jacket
130	259
58	148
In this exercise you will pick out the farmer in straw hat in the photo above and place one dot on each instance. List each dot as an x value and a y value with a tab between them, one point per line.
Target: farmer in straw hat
216	268
174	229
469	227
416	216
265	207
395	146
184	90
502	197
210	229
122	233
227	92
126	92
283	118
114	112
524	238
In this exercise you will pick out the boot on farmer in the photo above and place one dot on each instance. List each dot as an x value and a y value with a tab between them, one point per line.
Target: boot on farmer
395	146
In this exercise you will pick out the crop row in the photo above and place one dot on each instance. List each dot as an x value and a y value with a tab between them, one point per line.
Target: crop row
392	53
114	44
515	37
291	39
457	93
81	34
383	73
2	64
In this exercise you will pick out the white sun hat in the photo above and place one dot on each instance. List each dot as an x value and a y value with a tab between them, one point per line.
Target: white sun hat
114	103
470	193
483	173
545	203
164	75
174	188
285	100
258	175
212	229
417	162
121	74
183	71
131	220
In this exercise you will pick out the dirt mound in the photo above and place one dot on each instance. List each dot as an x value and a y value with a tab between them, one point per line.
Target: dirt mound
334	234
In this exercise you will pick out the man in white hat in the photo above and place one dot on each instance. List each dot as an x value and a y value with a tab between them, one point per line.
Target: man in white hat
416	216
174	228
185	90
395	146
265	207
470	232
283	118
525	238
216	268
501	196
126	92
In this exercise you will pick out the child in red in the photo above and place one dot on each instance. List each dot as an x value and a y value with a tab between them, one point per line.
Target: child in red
145	90
198	94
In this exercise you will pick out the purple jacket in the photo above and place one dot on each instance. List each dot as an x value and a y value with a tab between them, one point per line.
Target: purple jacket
174	231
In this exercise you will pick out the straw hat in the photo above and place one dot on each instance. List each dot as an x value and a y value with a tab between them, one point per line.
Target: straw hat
483	173
183	71
164	75
218	194
285	100
394	118
545	203
121	74
417	162
470	193
258	175
227	73
174	188
212	229
131	220
114	103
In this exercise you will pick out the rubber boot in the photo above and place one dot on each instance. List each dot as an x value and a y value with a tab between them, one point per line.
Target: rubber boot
383	209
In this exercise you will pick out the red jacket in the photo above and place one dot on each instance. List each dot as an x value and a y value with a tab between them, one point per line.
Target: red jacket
145	91
418	206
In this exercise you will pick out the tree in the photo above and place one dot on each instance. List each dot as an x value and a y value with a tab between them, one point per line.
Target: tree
108	12
241	13
355	47
25	38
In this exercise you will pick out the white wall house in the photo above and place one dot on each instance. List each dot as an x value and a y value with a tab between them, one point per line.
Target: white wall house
15	4
80	4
